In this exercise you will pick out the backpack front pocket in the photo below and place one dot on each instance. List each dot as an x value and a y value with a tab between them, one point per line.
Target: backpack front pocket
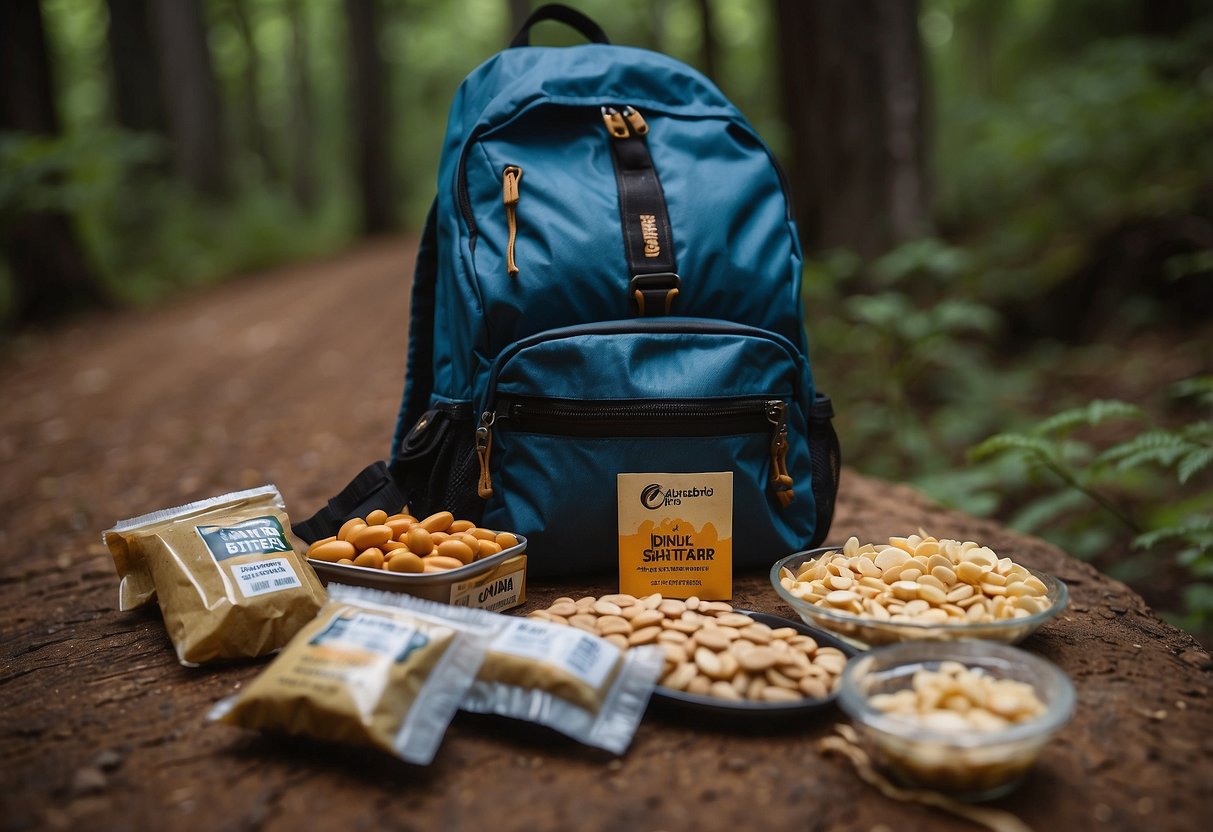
677	396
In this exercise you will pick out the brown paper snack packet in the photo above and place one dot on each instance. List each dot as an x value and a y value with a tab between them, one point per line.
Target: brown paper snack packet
364	674
224	571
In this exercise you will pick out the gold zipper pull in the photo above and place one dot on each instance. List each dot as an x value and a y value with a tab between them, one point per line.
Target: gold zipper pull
484	446
639	126
781	481
509	195
615	124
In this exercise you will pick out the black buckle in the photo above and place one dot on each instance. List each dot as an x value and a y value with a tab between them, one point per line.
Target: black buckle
654	292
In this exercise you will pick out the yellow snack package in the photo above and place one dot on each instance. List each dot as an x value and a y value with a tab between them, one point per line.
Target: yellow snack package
364	674
224	571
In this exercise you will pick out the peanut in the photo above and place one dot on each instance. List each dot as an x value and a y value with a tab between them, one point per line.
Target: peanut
710	649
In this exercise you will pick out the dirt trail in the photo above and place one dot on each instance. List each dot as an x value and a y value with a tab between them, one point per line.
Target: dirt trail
293	377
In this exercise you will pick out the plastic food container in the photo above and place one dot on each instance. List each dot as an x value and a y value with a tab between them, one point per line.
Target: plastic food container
864	631
968	765
495	583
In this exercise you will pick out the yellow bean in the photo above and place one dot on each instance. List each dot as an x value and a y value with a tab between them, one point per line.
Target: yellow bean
333	551
438	522
403	561
420	541
348	527
456	549
369	537
320	542
371	557
400	527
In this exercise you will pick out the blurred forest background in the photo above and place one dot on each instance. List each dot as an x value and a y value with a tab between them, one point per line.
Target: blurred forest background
1007	208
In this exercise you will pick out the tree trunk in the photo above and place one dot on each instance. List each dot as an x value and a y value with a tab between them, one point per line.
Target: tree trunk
254	125
135	68
303	180
709	46
368	82
191	96
51	274
855	105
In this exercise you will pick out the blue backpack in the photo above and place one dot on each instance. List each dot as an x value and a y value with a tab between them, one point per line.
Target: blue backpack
608	281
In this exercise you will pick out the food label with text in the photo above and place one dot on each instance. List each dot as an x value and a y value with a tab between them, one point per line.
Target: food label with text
676	534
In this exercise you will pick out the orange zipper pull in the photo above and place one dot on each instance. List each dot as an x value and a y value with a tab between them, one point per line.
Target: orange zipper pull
484	446
615	124
781	480
636	121
509	195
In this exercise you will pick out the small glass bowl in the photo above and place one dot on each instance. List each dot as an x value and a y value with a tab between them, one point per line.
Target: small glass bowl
968	766
864	631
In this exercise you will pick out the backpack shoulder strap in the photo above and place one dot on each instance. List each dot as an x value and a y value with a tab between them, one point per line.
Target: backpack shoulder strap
419	370
373	488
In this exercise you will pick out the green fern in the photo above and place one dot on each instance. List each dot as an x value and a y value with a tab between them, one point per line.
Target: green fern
1194	461
1017	444
1161	447
1109	476
1093	413
1199	388
1196	528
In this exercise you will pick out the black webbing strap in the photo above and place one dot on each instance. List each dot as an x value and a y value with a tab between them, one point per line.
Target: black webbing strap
648	242
373	488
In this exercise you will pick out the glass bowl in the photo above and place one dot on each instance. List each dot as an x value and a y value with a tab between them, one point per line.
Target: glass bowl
864	631
969	765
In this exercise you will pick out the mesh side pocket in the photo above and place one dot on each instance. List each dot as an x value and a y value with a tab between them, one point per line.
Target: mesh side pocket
826	457
437	466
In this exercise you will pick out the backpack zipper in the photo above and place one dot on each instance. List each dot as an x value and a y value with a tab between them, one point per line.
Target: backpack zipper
509	196
624	123
674	417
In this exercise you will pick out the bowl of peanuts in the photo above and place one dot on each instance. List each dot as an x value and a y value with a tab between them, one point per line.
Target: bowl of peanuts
426	557
965	718
917	588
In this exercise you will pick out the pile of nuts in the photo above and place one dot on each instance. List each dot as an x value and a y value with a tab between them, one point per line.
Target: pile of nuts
959	705
921	580
959	699
402	543
710	650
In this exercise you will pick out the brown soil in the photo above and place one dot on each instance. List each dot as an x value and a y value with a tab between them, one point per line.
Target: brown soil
293	377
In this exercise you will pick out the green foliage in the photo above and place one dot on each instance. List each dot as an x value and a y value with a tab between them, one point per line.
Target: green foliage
1053	151
908	360
1132	474
146	233
72	173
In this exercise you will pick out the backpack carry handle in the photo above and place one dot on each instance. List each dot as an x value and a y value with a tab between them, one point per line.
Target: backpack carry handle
562	14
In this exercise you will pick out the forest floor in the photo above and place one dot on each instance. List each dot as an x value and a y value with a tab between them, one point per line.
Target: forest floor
293	376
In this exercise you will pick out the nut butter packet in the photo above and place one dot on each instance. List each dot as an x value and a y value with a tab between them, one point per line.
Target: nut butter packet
364	674
567	679
224	571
